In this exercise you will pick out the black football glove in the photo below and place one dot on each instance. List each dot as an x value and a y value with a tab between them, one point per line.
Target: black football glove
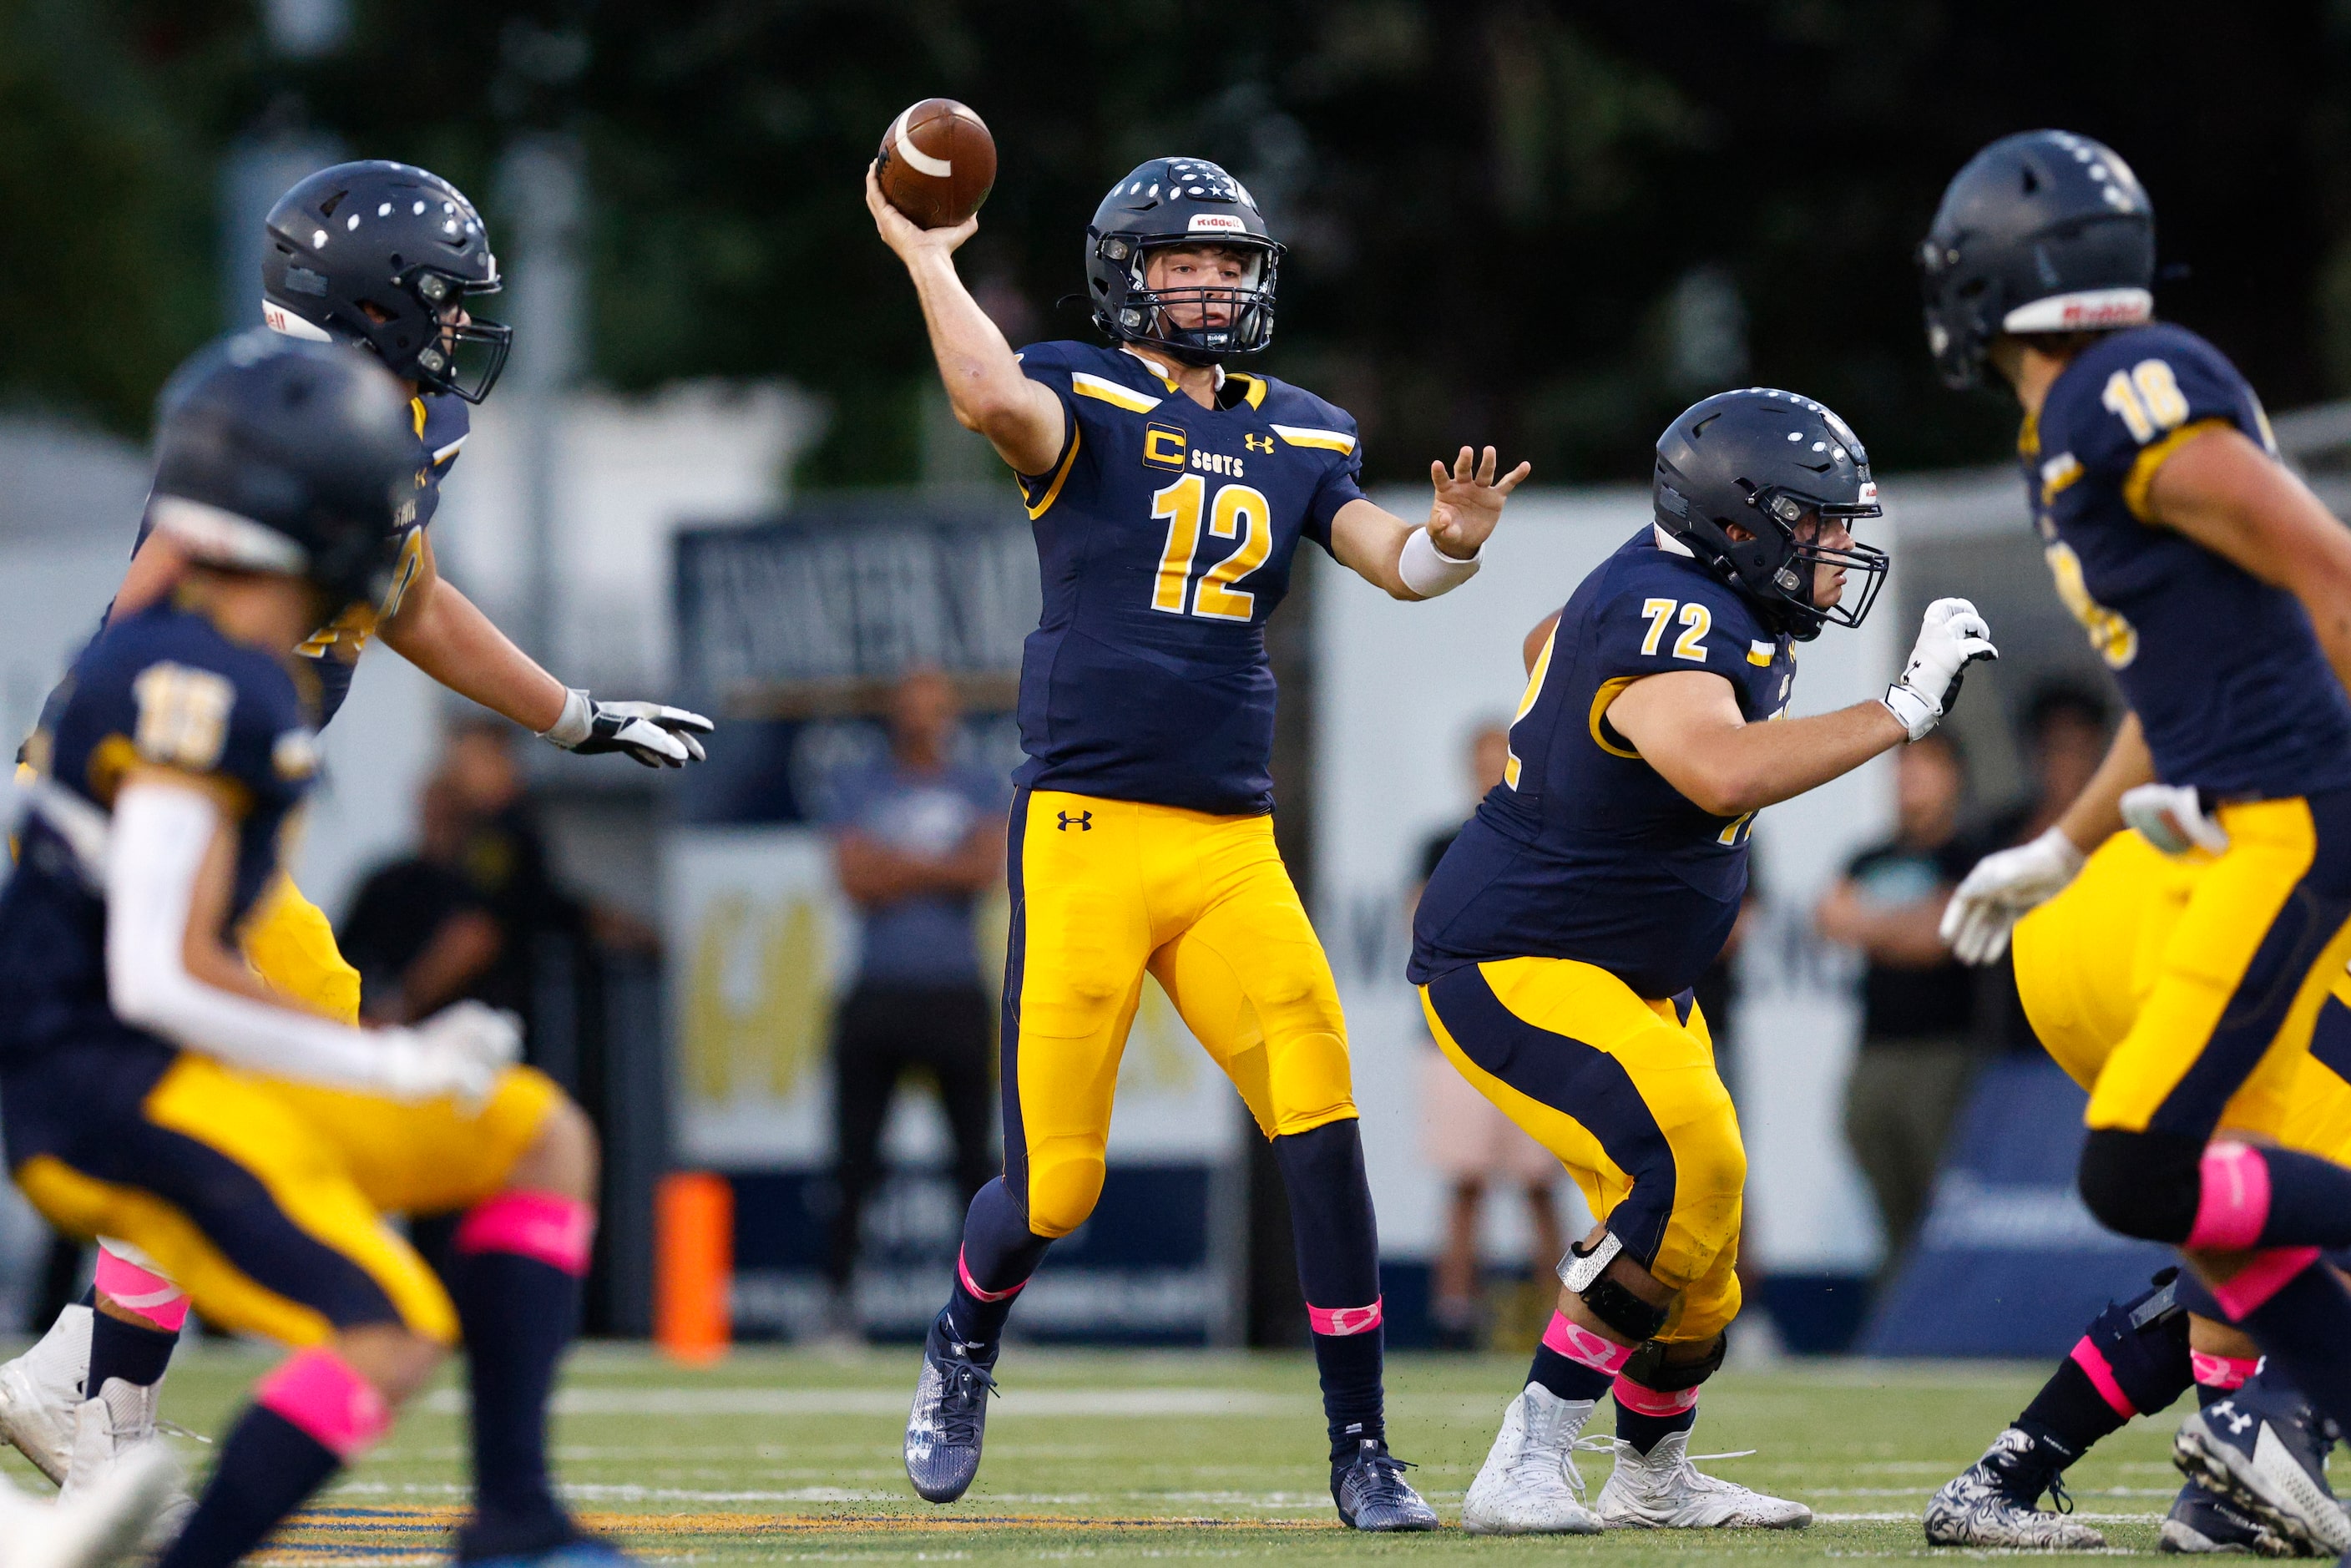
650	733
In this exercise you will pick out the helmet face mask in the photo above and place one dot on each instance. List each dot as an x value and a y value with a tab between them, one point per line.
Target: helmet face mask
1172	203
386	256
1757	484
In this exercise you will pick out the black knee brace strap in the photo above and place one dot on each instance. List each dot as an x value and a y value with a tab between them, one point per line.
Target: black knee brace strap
1586	1274
1648	1366
2146	1185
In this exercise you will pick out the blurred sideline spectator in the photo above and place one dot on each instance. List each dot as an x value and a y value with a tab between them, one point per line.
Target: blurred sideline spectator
2066	730
1919	1043
1471	1143
418	932
918	837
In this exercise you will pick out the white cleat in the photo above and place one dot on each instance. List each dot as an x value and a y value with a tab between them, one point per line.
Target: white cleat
102	1525
39	1390
115	1433
1663	1490
1529	1484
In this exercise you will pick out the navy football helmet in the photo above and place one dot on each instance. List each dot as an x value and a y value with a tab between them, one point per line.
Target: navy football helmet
385	254
1777	465
1180	201
2042	232
277	455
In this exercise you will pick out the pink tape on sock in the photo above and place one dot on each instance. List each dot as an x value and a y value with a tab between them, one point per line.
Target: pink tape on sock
556	1230
1345	1320
2222	1371
141	1291
2268	1272
2234	1200
1644	1401
2094	1366
317	1392
1583	1347
963	1272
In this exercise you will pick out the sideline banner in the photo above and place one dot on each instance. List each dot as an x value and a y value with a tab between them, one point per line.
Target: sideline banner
2008	1263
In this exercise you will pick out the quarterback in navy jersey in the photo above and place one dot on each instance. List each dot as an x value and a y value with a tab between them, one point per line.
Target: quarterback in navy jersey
1557	941
2179	929
383	256
1170	493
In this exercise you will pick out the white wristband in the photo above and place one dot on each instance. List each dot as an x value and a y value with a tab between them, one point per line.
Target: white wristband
1429	572
1914	712
575	724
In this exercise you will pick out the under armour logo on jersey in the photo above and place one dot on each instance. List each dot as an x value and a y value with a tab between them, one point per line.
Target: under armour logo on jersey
1252	443
1083	821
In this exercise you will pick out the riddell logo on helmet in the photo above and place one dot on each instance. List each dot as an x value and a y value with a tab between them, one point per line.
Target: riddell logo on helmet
2100	312
1215	223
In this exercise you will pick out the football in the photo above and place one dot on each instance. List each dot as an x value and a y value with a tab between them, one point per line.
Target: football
937	162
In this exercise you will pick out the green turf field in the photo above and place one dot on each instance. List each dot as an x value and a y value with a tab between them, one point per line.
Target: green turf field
794	1457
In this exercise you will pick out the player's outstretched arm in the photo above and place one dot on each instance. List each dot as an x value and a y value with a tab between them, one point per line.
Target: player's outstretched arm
2228	495
1441	554
1022	420
446	634
1687	723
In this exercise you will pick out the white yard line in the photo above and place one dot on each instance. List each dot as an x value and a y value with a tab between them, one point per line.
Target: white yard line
878	1402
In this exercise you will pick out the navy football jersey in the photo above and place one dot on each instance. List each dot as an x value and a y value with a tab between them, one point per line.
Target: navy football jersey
161	687
1165	534
2222	669
1583	850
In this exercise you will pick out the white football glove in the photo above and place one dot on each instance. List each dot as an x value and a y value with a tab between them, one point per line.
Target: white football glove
2173	820
2000	889
458	1052
649	733
1951	637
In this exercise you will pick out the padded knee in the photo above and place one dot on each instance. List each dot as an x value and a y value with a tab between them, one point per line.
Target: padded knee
1648	1367
1614	1304
2138	1349
1063	1187
2146	1185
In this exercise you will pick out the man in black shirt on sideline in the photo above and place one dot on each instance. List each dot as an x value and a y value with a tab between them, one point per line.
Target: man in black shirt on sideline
1919	1049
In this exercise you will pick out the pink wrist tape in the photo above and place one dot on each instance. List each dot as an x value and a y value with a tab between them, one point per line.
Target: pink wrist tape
1585	1347
2222	1371
147	1294
963	1272
317	1392
1343	1321
2233	1202
2101	1373
556	1230
1643	1400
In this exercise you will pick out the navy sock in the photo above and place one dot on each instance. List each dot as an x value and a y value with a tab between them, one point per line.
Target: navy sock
1339	1273
2301	1329
1567	1378
134	1353
88	1298
2069	1415
519	1315
2132	1359
2310	1201
268	1465
999	1252
1645	1431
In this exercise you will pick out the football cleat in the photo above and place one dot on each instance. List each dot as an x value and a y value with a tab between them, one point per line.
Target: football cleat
102	1524
1661	1489
949	1419
2263	1450
1529	1484
1371	1493
40	1390
1994	1502
2200	1520
111	1432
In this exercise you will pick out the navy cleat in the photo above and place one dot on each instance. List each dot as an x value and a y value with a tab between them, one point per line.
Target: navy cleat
950	1415
2201	1521
1371	1493
2264	1450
